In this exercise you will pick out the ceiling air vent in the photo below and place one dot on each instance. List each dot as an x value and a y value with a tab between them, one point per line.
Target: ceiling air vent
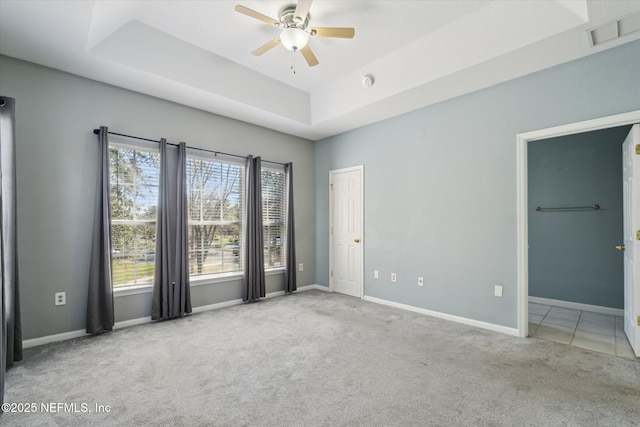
614	30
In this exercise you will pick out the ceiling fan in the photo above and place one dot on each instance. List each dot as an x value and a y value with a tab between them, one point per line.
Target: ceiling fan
295	32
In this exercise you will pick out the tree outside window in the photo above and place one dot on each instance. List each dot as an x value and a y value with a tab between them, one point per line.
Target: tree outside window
134	205
215	216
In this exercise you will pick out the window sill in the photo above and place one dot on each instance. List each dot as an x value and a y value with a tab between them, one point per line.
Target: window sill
200	281
132	290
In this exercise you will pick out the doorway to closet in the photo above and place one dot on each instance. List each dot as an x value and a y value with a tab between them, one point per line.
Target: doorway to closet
575	292
576	280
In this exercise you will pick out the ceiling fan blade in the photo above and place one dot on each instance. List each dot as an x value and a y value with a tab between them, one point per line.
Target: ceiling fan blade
309	56
302	10
262	49
257	15
345	33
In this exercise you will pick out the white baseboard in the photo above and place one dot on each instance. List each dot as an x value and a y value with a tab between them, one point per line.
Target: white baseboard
451	317
216	306
34	342
312	287
275	294
578	306
131	322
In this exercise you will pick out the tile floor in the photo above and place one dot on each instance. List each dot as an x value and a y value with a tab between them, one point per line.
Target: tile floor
598	332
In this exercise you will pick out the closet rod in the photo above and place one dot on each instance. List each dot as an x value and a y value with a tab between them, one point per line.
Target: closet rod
571	208
97	132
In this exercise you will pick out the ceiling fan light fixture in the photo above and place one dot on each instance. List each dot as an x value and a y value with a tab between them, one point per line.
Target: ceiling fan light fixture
294	30
294	39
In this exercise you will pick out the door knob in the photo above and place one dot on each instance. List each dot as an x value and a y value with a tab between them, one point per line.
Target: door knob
357	240
620	247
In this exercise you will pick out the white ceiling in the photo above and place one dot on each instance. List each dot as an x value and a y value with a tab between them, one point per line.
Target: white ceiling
197	53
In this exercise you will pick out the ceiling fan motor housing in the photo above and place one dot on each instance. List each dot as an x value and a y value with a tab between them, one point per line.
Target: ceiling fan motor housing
287	17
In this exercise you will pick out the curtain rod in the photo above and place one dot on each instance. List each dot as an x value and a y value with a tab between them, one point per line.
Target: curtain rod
97	132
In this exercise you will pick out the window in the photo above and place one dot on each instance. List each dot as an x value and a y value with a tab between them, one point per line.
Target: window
273	217
134	204
215	192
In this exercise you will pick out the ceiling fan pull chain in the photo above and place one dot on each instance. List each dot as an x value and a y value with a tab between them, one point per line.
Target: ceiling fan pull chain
293	62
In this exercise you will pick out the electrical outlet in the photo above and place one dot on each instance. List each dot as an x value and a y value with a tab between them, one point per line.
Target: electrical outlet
393	278
60	298
497	291
301	267
375	274
420	281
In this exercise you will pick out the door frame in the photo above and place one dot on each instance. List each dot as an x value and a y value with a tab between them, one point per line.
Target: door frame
522	196
360	169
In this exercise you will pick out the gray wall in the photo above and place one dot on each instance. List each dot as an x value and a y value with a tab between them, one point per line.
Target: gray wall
56	113
572	255
440	183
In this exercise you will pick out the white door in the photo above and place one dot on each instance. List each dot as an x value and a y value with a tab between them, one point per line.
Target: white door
346	239
631	200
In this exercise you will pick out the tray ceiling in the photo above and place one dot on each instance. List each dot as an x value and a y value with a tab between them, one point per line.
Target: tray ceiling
198	53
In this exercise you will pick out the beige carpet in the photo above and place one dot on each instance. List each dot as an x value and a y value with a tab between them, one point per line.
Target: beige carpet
320	359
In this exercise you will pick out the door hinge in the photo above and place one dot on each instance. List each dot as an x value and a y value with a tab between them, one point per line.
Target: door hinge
331	230
637	148
331	187
331	273
638	320
638	235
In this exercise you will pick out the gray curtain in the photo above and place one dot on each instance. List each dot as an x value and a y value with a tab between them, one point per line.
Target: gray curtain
182	291
254	281
11	342
171	293
290	263
100	299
